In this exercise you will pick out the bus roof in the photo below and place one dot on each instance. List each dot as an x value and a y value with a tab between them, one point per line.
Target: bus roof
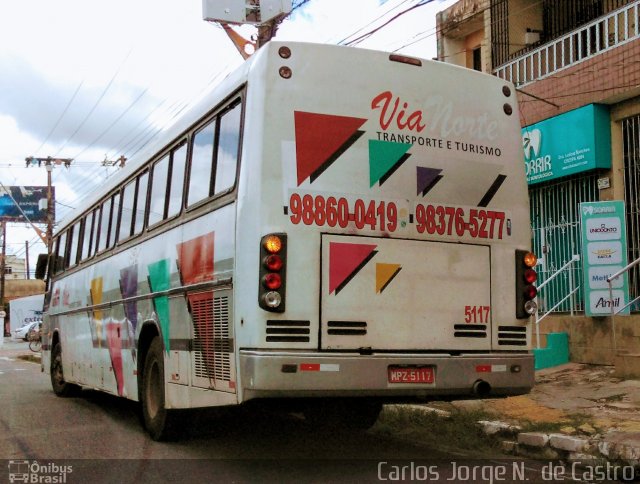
212	97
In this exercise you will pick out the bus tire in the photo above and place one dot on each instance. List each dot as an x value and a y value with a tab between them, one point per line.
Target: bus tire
159	422
356	414
61	387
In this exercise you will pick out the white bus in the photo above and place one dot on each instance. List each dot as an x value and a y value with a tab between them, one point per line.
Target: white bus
330	227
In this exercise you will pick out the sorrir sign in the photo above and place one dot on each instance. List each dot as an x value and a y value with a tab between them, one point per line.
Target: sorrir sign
570	143
16	202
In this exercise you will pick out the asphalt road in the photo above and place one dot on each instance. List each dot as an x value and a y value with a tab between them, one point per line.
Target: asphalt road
97	438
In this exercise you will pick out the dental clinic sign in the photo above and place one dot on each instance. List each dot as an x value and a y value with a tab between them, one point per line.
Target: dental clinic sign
604	252
573	142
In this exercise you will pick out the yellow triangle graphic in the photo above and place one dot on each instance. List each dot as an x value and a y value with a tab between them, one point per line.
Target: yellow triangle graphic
384	274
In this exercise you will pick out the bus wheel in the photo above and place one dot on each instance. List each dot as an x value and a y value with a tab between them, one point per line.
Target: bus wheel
158	421
348	414
60	387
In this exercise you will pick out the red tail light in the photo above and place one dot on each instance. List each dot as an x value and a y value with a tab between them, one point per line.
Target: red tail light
530	292
273	262
272	281
525	290
530	276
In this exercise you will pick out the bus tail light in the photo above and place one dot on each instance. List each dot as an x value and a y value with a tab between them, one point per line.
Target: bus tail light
273	265
526	292
272	280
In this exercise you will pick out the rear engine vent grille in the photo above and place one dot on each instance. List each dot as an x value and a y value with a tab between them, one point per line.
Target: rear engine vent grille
212	344
287	331
512	335
347	328
470	331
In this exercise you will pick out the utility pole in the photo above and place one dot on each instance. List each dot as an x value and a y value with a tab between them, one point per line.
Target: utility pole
266	15
26	251
48	164
118	161
2	271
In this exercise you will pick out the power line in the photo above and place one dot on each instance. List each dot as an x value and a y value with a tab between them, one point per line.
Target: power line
444	31
104	92
364	36
340	42
64	111
115	121
150	132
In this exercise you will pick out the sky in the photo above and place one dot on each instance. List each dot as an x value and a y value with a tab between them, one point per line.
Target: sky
93	81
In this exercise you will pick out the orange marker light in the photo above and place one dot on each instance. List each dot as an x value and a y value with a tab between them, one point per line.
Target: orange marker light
530	259
273	244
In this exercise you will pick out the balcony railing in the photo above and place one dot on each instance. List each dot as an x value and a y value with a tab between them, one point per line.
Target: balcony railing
601	35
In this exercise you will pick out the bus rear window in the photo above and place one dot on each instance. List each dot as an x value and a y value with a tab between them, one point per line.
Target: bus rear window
201	163
228	144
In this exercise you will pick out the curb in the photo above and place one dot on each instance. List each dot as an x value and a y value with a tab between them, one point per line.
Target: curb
613	446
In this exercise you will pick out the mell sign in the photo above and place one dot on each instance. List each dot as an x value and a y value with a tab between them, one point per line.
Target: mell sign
16	202
573	142
604	250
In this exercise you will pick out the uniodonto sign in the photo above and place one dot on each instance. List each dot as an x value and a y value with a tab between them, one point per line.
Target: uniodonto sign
604	249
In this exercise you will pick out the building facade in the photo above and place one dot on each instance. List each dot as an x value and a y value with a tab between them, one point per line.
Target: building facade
14	268
566	58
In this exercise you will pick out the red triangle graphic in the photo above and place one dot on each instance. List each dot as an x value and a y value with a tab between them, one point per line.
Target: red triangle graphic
318	138
345	260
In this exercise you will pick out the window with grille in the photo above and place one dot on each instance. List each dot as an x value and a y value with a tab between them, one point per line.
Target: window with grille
555	221
631	157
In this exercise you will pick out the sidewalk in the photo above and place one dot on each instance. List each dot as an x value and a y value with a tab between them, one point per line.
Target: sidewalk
574	411
12	348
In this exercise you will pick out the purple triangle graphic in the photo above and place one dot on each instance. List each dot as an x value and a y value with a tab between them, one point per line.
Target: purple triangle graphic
427	178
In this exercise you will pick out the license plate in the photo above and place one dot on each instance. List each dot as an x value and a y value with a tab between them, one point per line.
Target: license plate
411	374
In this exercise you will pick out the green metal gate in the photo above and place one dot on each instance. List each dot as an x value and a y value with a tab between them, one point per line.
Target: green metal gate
555	222
631	156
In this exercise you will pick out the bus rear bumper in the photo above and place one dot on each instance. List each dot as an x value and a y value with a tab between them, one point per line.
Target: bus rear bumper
268	374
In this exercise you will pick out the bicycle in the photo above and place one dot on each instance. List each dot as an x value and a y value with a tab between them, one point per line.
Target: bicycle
35	340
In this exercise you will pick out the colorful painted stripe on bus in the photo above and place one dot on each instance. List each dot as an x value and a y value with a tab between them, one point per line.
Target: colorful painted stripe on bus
160	280
116	334
129	288
196	264
322	138
95	294
346	260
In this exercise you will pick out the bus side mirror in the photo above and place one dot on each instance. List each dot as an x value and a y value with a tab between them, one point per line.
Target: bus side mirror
41	266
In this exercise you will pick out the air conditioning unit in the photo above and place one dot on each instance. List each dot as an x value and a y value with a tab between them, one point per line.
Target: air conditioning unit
531	37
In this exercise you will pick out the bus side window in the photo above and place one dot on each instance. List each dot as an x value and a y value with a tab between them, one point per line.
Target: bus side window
61	252
41	267
201	173
178	166
141	203
157	202
87	232
96	229
105	211
74	243
114	219
228	147
126	214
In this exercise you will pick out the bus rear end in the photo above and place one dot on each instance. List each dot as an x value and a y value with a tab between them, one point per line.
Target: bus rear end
383	224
